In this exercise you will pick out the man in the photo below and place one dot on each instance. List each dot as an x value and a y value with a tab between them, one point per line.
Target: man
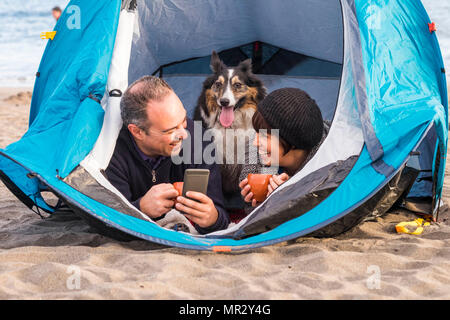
56	13
141	168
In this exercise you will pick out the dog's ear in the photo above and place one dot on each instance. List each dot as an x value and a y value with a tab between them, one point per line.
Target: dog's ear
245	66
216	64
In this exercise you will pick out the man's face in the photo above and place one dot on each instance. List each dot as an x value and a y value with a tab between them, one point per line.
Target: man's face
167	127
56	14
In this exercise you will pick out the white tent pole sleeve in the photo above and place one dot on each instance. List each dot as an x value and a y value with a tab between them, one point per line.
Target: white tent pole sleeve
117	79
101	154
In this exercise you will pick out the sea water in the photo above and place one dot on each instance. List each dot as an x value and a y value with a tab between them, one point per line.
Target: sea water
439	12
22	21
21	49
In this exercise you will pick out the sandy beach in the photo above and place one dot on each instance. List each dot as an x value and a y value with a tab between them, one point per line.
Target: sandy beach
39	258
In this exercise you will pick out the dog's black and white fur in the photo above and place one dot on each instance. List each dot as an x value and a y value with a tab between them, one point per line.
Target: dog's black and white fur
228	101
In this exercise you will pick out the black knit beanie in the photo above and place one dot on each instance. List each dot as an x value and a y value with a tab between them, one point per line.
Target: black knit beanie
295	114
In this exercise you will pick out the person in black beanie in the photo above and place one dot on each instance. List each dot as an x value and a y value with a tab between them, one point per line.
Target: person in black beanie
301	129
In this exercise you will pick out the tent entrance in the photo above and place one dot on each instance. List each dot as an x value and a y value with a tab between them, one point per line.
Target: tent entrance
302	48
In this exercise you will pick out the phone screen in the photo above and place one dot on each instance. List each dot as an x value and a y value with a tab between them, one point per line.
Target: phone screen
195	180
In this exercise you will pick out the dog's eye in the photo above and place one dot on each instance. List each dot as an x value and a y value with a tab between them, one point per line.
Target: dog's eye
237	85
218	84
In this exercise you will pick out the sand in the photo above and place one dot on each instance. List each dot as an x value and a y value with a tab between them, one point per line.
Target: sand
63	258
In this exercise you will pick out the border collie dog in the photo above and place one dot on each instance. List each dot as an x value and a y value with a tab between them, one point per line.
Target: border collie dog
228	101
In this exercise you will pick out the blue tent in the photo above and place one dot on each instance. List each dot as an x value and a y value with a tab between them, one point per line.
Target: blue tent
374	67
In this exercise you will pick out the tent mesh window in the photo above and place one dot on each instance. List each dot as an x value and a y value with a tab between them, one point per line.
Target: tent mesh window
266	59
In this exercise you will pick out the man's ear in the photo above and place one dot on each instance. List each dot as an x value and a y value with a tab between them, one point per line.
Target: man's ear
216	64
245	66
136	132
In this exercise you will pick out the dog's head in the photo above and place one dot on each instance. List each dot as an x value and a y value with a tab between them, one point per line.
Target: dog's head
231	88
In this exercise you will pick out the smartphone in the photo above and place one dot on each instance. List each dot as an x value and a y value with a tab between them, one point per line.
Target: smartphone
195	180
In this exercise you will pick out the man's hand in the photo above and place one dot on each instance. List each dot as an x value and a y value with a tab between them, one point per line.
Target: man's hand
276	181
200	210
159	200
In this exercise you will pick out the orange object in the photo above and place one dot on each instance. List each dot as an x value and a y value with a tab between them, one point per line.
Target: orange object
179	187
259	184
432	27
221	249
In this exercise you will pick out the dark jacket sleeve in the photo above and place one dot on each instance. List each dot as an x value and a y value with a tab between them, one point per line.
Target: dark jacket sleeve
118	175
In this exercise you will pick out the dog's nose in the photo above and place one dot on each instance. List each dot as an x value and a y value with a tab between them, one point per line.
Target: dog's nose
224	102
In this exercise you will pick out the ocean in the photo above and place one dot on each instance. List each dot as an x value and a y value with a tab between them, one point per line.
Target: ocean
439	12
21	49
21	23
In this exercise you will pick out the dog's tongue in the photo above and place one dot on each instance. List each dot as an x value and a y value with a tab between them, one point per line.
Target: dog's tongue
227	116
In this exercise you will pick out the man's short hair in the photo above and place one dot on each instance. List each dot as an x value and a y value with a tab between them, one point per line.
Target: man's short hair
56	9
133	105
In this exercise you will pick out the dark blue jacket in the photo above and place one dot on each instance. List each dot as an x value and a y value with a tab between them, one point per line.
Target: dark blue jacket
132	175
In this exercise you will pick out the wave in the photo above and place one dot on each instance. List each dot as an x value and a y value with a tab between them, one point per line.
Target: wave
25	14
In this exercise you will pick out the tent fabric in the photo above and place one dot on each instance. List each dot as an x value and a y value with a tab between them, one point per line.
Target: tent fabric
391	96
54	143
410	72
298	198
423	188
199	26
396	77
273	61
101	154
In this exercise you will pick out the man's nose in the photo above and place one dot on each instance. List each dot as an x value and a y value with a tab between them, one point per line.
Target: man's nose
181	134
